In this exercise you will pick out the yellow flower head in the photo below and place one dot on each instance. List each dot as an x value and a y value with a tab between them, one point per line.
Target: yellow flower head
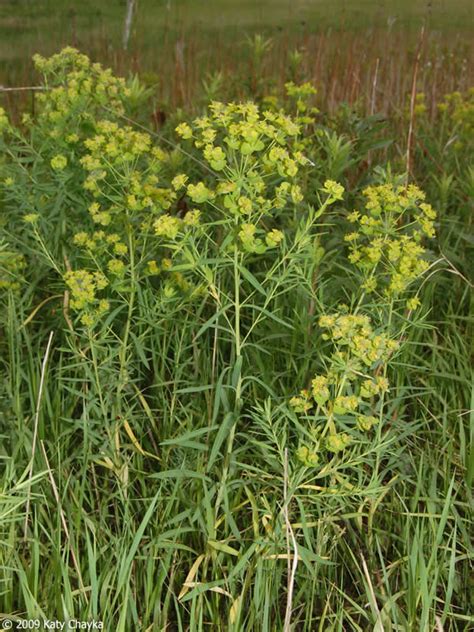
59	162
167	226
184	131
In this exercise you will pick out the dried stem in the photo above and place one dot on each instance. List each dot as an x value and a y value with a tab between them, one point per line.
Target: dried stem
289	536
23	88
35	429
128	23
411	126
374	87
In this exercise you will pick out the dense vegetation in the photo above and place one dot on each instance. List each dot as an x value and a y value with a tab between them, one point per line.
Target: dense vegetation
236	385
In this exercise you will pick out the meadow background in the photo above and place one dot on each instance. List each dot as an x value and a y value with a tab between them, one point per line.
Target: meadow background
174	44
160	468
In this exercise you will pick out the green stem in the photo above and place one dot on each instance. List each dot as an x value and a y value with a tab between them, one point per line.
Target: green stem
123	350
95	364
382	397
237	378
238	342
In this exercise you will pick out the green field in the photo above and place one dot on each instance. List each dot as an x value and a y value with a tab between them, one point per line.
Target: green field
29	26
173	46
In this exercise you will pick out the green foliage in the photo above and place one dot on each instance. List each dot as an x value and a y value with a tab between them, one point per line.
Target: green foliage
246	408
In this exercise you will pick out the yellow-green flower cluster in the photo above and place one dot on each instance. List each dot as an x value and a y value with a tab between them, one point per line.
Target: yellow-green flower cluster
420	104
386	244
123	175
273	238
334	190
302	95
77	90
301	91
337	442
307	456
12	265
354	334
116	145
413	303
199	193
252	243
59	162
179	181
84	287
459	108
420	107
167	226
353	384
255	167
170	227
104	246
234	129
